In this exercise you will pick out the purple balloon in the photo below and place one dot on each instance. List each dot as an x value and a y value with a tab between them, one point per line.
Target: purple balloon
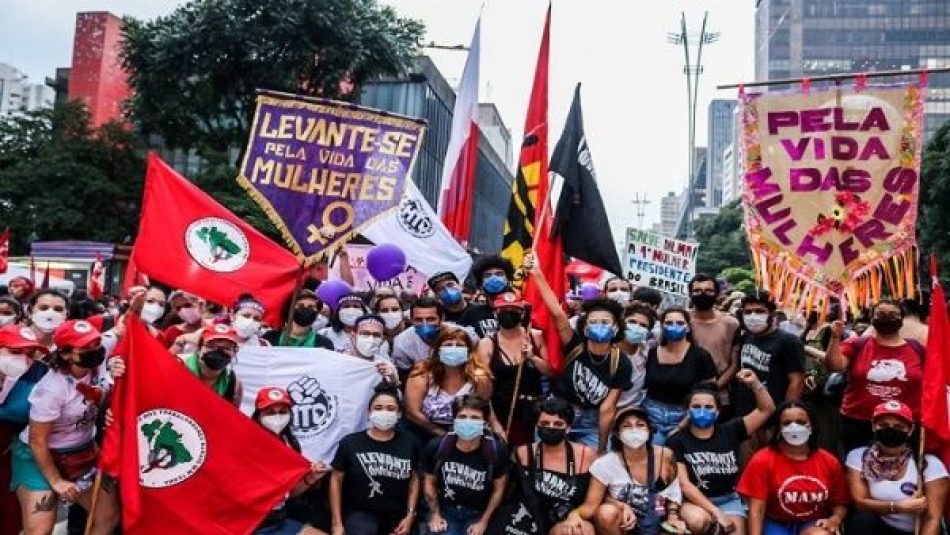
385	261
330	292
590	290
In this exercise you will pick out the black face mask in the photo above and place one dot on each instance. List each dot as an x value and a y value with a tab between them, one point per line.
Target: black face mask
887	326
509	319
305	316
92	359
891	437
216	360
551	436
703	301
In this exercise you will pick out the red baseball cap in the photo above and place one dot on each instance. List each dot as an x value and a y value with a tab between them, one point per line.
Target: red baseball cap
271	395
20	337
509	300
220	331
893	408
76	333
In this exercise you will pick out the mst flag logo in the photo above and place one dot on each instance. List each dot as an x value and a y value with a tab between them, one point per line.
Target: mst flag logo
217	244
172	448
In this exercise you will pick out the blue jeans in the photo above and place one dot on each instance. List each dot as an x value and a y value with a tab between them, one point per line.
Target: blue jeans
771	527
285	527
731	505
459	519
663	418
585	427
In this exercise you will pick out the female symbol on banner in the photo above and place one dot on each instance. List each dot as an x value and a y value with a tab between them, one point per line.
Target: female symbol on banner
330	292
590	290
385	261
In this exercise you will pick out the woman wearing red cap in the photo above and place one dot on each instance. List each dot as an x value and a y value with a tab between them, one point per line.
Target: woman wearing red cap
272	410
219	345
20	370
884	479
517	358
55	456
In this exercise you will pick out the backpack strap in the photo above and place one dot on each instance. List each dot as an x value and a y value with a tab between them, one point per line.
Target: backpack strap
614	360
573	354
490	451
446	445
917	347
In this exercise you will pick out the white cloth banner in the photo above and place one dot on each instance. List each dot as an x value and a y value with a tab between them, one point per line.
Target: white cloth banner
330	392
416	229
410	279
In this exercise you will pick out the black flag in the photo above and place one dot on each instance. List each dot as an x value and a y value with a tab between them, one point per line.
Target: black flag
580	218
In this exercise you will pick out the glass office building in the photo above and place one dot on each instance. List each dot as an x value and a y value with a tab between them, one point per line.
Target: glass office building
796	38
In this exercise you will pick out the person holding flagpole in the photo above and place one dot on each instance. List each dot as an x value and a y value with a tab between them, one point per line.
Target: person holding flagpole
55	457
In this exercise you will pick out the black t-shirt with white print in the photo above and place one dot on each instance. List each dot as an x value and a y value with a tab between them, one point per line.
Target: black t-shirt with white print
376	474
463	475
711	463
772	357
481	318
586	381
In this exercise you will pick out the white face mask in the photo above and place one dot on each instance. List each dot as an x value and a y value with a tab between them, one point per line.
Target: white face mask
275	422
151	312
348	316
48	320
756	323
620	296
383	420
634	438
13	366
796	434
392	319
367	346
7	319
246	327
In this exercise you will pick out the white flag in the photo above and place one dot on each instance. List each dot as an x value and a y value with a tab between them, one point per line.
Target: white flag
330	392
416	229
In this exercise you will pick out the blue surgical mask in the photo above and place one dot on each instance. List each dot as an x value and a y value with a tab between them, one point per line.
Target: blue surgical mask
635	334
703	418
453	356
674	333
426	331
450	296
494	284
600	333
468	429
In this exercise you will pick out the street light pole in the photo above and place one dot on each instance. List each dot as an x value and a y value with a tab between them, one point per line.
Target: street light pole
640	203
692	72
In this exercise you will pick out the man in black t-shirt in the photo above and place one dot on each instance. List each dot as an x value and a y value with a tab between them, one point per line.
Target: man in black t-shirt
776	357
494	273
445	285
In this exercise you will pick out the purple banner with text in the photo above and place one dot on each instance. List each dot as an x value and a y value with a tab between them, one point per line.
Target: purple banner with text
322	169
830	192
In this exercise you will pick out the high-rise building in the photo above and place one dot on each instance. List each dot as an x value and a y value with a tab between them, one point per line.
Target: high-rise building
424	93
796	38
96	77
720	127
495	131
730	184
18	95
670	207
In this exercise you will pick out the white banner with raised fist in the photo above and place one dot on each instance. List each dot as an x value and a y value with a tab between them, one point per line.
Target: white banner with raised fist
330	392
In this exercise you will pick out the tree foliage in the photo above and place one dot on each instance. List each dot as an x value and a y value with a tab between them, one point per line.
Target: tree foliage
933	223
61	179
195	72
722	241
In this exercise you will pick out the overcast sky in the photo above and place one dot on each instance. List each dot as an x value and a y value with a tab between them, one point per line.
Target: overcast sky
633	94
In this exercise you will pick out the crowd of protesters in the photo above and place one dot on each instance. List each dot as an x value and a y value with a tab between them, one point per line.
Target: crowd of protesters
728	415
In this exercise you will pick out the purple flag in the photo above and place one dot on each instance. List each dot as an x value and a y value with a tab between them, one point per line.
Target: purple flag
322	170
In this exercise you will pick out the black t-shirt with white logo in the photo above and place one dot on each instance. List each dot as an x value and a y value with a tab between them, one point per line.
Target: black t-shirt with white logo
462	478
587	380
376	474
481	318
711	463
772	357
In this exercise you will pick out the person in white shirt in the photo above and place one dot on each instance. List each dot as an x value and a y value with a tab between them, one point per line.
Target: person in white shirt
884	479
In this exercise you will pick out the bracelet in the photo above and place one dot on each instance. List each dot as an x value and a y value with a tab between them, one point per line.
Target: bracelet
891	505
411	511
577	511
758	387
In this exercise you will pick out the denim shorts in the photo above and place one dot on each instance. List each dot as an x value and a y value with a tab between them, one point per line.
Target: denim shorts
663	418
585	428
771	527
24	470
731	505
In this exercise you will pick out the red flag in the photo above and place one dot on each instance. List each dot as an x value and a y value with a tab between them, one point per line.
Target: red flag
190	242
132	276
550	253
97	278
187	461
5	250
934	414
458	174
45	283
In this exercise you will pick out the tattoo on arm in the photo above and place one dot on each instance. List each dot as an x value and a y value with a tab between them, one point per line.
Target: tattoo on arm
47	503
